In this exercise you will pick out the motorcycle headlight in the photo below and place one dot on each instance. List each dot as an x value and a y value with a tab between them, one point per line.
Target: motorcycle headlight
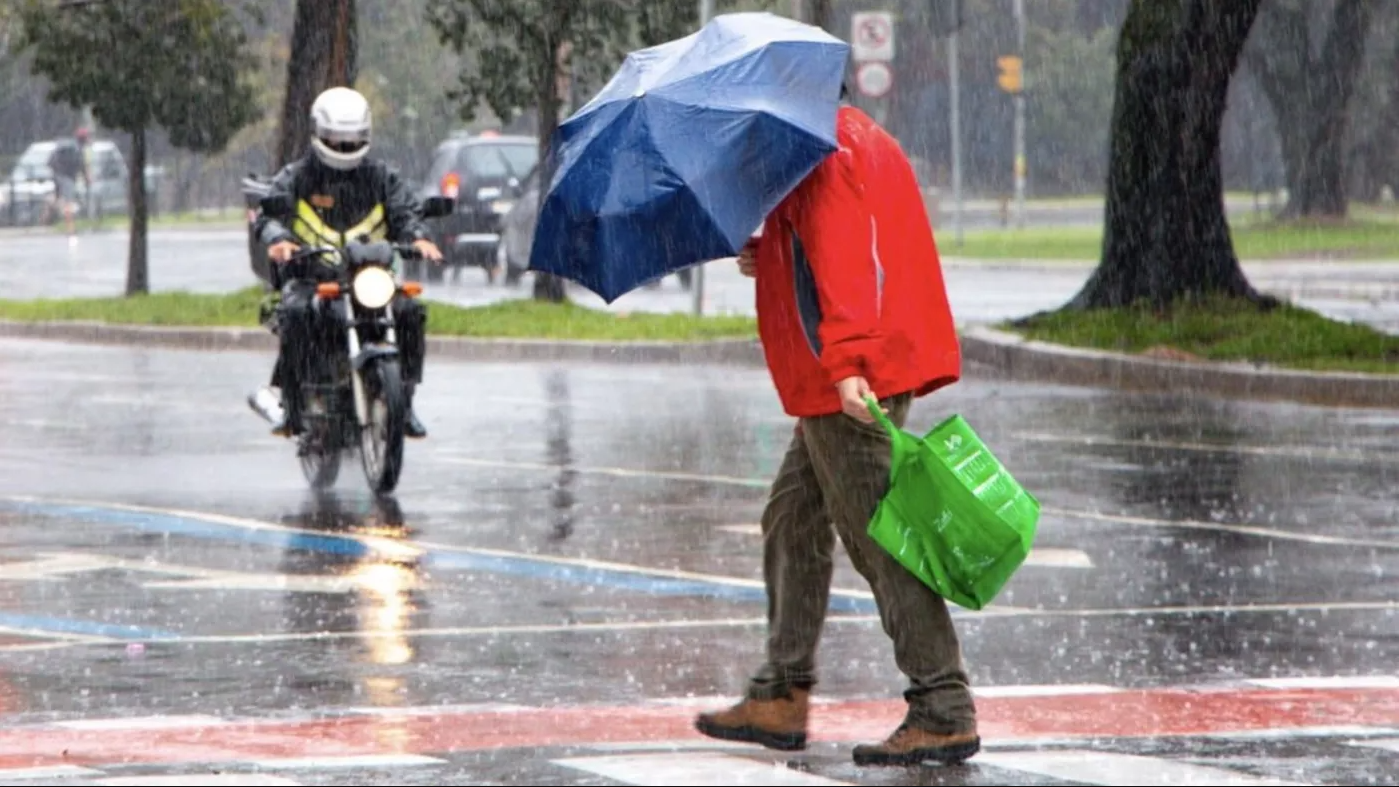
374	288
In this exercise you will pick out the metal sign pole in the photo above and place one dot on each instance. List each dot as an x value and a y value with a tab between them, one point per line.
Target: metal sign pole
706	12
1020	119
954	88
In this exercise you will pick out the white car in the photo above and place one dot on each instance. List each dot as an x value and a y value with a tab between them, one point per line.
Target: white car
30	184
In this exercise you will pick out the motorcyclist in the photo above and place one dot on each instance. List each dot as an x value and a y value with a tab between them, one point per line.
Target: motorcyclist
339	194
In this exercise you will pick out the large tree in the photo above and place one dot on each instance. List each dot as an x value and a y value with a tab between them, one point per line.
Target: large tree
176	64
324	54
1309	85
1166	236
524	51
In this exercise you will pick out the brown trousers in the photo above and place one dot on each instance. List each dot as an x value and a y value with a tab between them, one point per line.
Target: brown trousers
835	472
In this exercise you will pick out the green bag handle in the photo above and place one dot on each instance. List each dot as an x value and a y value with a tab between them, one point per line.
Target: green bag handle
901	443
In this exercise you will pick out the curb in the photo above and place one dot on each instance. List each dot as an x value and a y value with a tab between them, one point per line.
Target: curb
736	352
1019	357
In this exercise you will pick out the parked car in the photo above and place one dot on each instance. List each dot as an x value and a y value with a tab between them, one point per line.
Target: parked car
481	172
254	188
29	187
517	233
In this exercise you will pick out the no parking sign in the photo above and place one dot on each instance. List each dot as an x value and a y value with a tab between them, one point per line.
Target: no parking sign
872	36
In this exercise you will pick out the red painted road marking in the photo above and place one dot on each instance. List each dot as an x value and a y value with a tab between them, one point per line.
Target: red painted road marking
1146	713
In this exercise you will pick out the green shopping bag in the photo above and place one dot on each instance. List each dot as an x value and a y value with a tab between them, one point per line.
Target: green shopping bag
953	515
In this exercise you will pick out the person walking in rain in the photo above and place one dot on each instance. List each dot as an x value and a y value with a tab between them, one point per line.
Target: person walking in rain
851	303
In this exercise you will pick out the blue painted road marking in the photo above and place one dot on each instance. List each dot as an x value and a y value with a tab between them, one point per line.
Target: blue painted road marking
264	534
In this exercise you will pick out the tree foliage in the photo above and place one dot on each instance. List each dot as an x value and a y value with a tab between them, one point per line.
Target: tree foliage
514	49
177	64
521	53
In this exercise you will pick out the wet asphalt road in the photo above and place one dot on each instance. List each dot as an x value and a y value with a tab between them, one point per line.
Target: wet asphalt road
35	265
576	542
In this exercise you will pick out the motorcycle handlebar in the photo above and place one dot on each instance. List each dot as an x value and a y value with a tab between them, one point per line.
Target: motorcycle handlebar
298	266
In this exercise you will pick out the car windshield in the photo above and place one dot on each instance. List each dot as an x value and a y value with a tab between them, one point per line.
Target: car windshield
501	160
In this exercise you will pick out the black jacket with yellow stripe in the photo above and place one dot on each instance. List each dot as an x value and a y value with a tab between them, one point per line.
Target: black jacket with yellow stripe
334	207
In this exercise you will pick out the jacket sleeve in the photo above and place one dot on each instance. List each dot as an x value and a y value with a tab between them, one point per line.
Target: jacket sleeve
405	224
833	225
271	229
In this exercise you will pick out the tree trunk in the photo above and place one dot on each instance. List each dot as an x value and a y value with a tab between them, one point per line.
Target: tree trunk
821	14
548	287
137	273
1166	235
1310	97
324	54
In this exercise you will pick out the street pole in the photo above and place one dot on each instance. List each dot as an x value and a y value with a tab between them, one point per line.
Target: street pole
706	12
1020	118
955	89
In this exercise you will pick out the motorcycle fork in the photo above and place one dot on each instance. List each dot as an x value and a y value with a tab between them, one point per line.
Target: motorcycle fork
356	381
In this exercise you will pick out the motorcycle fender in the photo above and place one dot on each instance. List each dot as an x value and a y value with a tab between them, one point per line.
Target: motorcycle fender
373	351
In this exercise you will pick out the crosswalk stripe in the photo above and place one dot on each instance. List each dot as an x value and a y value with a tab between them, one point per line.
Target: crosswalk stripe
1113	770
1329	682
347	761
693	769
197	780
45	772
1387	744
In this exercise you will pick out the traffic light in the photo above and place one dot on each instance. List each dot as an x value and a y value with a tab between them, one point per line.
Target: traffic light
946	17
1009	79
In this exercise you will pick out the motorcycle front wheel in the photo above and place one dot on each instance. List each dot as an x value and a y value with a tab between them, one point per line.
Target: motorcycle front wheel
381	438
320	467
318	451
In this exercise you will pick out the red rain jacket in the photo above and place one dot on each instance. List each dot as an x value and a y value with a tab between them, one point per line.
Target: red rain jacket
849	281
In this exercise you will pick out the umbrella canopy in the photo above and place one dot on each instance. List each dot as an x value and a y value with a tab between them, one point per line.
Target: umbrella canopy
687	148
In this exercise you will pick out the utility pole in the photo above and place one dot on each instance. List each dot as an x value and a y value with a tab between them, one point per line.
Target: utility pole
706	12
1020	119
955	91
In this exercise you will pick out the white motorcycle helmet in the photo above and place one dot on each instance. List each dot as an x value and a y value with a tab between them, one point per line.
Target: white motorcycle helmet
341	124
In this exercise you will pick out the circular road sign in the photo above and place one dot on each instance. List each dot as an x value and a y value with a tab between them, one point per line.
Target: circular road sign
874	79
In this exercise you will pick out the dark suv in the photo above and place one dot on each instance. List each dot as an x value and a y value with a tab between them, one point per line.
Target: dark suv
482	172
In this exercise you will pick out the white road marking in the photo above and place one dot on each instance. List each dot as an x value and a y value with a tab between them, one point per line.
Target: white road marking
1091	516
620	472
696	769
348	761
1219	527
1287	733
1045	690
1330	682
438	710
1385	744
200	780
1308	452
1047	557
53	566
142	723
1111	769
46	772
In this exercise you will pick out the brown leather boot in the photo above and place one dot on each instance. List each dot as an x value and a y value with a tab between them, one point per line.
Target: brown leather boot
776	724
911	746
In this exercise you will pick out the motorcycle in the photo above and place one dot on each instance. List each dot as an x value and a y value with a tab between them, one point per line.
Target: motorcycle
354	397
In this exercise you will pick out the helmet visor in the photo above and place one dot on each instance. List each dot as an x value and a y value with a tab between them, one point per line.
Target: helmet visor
345	145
